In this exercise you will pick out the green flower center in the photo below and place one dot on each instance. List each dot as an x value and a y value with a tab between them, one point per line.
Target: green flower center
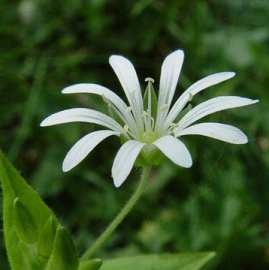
149	137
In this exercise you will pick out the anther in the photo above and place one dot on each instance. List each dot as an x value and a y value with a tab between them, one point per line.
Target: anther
152	122
105	99
164	107
116	173
128	109
190	97
144	113
174	125
148	79
133	94
126	128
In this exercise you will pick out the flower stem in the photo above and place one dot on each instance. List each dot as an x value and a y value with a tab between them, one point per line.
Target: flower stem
126	209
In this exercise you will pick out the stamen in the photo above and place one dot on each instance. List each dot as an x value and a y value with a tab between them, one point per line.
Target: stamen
174	125
152	123
164	107
125	120
190	97
146	121
128	109
144	113
133	94
148	79
105	99
116	173
126	128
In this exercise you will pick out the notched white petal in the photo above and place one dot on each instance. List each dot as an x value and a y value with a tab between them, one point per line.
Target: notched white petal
171	68
209	81
211	106
92	88
83	147
124	161
223	132
126	74
170	71
175	150
81	115
195	89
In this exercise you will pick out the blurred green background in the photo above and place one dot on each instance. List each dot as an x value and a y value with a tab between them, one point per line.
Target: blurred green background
222	202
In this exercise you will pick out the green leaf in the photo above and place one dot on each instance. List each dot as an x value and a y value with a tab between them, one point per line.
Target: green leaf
29	208
182	261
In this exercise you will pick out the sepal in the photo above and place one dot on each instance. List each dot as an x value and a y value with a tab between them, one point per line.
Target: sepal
183	113
149	156
110	110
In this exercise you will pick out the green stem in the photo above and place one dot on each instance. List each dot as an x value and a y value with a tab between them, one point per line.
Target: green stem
126	209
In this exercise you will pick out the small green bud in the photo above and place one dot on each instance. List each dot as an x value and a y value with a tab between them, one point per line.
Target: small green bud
155	156
94	264
24	222
46	239
64	255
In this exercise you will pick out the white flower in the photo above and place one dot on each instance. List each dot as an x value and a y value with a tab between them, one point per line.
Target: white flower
148	127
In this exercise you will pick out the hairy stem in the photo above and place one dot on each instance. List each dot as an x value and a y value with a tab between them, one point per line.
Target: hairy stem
126	209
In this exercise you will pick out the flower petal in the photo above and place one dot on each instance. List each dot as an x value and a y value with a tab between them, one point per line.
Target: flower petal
127	76
217	131
82	115
211	106
107	94
170	71
194	89
96	89
83	147
124	161
175	150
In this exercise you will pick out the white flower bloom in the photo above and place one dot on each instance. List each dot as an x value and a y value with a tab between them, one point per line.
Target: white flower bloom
148	127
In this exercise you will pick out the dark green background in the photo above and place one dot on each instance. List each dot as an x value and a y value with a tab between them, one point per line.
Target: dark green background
222	202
